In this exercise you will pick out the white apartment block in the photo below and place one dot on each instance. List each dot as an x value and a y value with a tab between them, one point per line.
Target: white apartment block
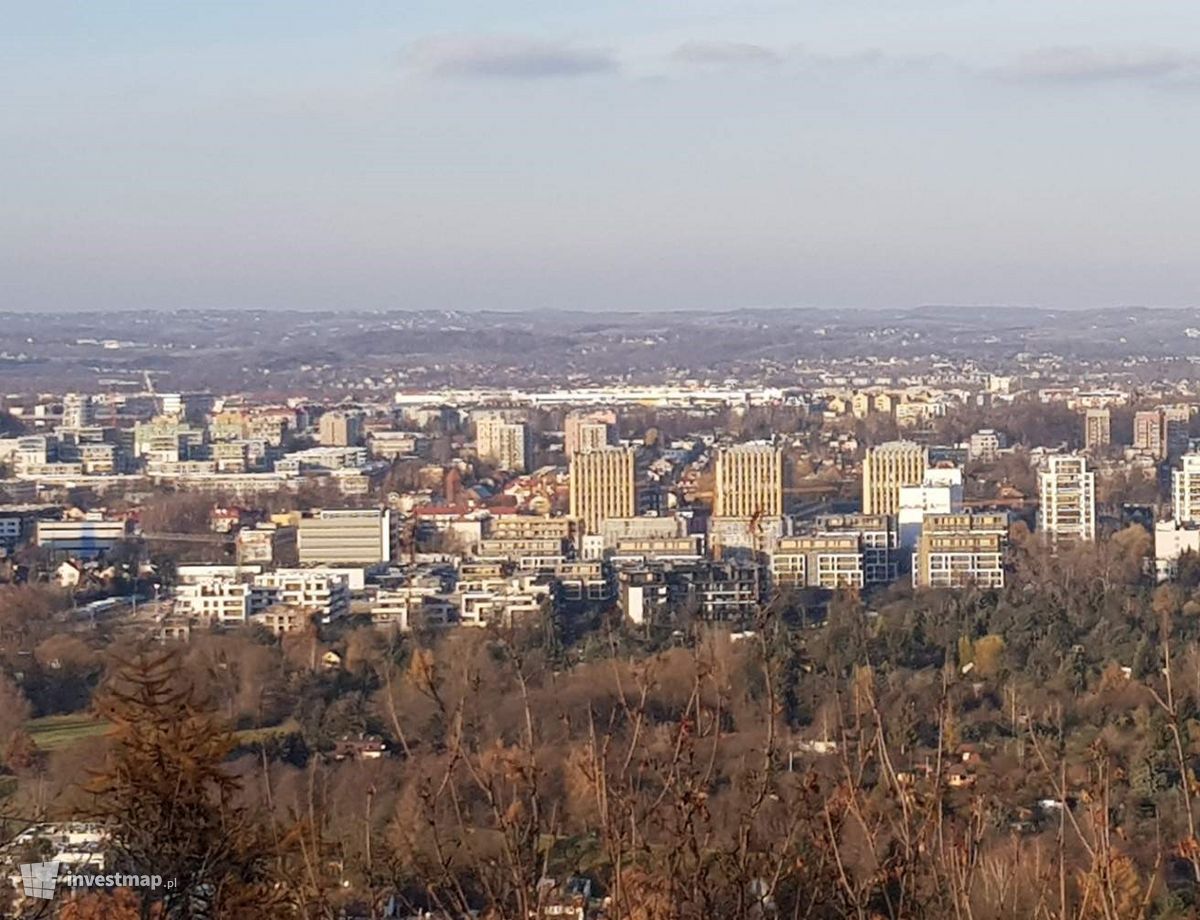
502	600
412	607
1068	499
220	600
322	593
1185	490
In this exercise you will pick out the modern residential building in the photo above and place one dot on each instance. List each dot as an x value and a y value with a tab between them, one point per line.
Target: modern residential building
985	445
530	526
413	606
219	601
501	599
748	481
78	411
323	594
1068	499
822	560
1097	429
957	550
602	486
878	538
1185	490
886	469
638	550
345	536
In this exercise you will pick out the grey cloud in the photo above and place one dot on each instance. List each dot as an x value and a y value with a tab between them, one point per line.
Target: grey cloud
724	53
505	57
1081	64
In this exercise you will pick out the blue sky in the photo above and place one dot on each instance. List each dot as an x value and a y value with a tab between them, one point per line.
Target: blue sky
661	154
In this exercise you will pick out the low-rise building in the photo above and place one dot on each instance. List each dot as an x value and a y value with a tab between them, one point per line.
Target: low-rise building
829	560
957	550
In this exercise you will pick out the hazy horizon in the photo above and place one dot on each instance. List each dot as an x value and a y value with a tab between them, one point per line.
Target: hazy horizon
652	156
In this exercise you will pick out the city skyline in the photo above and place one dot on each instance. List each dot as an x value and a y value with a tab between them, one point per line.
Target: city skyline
657	156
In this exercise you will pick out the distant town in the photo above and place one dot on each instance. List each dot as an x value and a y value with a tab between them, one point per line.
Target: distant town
466	507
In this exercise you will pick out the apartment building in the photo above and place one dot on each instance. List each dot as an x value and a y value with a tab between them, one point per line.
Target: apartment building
748	481
324	594
828	560
1185	490
886	469
340	429
878	538
639	550
345	536
602	486
583	581
1068	499
501	600
590	429
1149	434
529	527
507	444
1097	429
550	550
957	550
79	411
415	606
985	445
219	601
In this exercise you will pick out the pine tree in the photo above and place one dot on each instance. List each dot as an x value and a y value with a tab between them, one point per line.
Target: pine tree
169	803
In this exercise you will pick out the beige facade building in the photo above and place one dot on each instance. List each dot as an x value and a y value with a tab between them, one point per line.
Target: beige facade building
507	444
349	536
1148	432
340	429
602	486
749	481
886	469
1097	429
957	550
822	560
589	429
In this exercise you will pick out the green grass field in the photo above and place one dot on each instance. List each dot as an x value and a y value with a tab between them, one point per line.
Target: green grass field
54	732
